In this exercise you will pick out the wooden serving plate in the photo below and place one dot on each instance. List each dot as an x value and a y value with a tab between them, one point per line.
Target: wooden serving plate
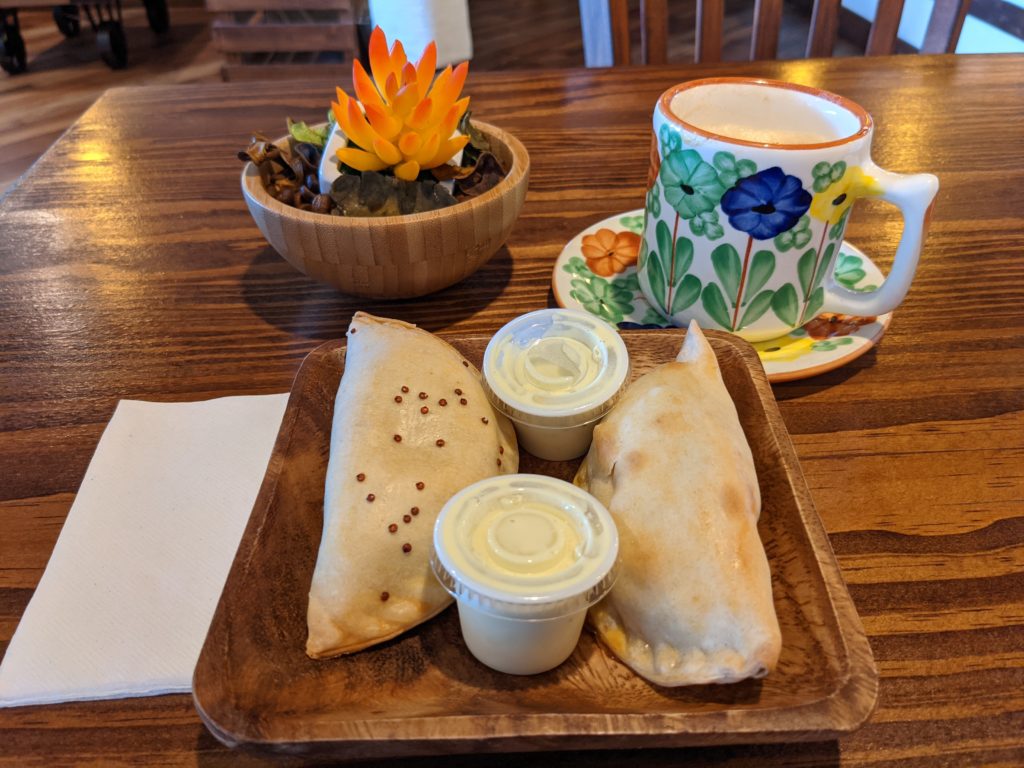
423	693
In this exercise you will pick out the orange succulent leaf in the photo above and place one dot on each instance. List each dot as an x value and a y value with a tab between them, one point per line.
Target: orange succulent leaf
386	125
428	150
408	171
380	60
608	253
409	73
387	151
451	120
405	100
391	88
405	117
410	144
365	90
419	120
360	160
425	68
447	151
353	123
398	57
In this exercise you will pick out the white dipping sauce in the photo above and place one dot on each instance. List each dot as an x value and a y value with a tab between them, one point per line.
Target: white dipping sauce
555	373
525	556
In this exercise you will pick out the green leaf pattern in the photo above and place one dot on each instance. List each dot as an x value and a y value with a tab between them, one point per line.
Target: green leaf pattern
797	237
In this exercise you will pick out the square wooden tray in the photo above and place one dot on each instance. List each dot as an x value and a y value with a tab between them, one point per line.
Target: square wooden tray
423	693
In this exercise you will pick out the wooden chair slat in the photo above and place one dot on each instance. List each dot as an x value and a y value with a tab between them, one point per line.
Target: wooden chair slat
824	28
619	10
764	40
944	27
710	14
882	40
654	31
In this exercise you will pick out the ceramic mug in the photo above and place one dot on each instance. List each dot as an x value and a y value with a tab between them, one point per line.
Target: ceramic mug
749	190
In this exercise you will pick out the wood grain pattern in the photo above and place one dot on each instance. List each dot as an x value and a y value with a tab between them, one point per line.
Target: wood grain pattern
397	257
422	692
121	277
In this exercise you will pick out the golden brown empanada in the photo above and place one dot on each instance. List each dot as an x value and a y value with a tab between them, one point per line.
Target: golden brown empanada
693	601
412	426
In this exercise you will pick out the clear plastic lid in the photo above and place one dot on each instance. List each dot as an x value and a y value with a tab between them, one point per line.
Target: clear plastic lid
555	368
525	547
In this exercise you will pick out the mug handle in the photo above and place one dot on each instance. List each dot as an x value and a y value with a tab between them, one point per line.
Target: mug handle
913	195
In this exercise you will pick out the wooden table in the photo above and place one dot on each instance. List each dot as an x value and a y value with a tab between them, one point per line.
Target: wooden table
129	268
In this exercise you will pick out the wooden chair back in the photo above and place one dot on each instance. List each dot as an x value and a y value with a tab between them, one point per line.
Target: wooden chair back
941	37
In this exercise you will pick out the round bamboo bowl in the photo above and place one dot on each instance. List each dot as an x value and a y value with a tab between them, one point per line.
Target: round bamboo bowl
397	257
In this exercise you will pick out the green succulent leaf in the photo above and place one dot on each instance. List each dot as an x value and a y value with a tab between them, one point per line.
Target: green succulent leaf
757	308
785	305
304	133
837	171
714	305
821	169
746	168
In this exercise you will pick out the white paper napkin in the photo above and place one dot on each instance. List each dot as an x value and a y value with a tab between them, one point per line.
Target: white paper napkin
127	597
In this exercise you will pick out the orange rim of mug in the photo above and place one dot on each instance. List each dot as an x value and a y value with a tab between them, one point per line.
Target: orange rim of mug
665	102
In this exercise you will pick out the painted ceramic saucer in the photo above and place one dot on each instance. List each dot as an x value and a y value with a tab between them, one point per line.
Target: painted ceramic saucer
825	343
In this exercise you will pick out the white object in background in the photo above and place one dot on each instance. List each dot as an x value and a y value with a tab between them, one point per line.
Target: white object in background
328	170
596	25
128	594
446	22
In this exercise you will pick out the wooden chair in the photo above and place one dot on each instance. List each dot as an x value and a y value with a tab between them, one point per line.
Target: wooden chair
606	29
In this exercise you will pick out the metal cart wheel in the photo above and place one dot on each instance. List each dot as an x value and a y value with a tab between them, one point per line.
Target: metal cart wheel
111	44
157	15
13	60
67	20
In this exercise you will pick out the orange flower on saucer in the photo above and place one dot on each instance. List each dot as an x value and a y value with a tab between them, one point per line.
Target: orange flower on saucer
608	253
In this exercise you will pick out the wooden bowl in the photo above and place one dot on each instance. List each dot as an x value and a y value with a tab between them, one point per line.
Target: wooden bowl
396	257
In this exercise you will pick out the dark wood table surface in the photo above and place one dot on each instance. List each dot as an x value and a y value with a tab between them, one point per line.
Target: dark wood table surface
130	268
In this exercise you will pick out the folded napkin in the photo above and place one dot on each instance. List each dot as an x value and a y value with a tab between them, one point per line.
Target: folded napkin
127	597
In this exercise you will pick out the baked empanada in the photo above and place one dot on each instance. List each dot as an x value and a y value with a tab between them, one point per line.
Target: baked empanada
693	601
411	426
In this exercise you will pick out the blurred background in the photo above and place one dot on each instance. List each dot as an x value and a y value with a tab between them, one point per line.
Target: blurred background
64	57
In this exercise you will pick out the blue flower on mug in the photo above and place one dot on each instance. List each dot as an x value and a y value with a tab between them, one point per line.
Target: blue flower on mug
766	204
691	185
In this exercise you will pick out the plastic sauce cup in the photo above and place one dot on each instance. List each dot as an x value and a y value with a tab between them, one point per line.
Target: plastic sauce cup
555	373
524	556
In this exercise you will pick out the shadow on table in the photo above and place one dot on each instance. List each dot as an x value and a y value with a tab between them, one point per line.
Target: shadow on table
791	390
823	754
285	298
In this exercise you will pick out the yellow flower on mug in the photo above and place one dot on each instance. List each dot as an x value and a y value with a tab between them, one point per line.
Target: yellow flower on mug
608	253
831	203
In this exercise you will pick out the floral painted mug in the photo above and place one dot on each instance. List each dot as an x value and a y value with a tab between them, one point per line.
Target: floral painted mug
749	190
